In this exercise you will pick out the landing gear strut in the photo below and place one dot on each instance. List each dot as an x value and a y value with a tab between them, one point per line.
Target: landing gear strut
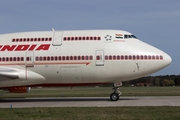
116	94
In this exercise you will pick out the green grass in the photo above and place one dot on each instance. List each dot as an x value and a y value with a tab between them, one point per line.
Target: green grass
91	113
97	92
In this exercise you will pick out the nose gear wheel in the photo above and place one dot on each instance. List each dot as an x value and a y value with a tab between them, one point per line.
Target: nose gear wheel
116	94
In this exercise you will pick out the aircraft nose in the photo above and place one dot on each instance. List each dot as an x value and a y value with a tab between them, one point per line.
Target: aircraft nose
167	59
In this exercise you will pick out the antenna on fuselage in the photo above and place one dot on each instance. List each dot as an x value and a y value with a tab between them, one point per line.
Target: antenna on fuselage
53	29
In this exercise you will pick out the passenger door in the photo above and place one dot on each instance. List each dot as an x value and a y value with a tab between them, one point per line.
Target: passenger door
99	57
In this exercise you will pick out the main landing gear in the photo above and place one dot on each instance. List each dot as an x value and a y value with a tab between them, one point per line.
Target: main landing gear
116	94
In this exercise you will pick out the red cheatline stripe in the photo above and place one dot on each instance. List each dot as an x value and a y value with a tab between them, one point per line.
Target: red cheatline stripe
51	63
43	63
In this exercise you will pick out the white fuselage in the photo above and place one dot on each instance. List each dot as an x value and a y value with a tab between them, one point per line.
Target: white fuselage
72	58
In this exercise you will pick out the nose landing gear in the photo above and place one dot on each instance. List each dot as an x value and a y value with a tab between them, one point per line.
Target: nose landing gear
116	94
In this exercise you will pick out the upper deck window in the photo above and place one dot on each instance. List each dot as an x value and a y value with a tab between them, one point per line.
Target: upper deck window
129	36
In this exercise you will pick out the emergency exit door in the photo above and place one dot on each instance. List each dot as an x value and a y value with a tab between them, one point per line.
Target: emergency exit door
57	38
99	57
29	59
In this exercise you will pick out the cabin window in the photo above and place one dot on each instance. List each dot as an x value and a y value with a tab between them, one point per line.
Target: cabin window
91	38
59	57
3	59
36	58
75	57
134	57
79	57
153	57
94	38
44	58
48	58
161	57
106	57
67	57
71	57
84	38
63	58
14	59
149	57
52	58
137	57
157	57
110	57
145	57
114	57
118	57
122	57
91	57
22	58
40	58
55	58
97	57
126	57
99	38
27	58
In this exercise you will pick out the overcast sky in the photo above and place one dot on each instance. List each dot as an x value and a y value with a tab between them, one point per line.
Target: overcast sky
156	22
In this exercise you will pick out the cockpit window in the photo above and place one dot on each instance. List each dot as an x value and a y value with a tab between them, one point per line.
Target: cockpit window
129	36
133	36
125	36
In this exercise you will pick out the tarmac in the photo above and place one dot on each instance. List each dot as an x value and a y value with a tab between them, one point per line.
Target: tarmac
89	102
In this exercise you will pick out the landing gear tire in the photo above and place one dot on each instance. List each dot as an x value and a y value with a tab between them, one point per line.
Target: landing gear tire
114	96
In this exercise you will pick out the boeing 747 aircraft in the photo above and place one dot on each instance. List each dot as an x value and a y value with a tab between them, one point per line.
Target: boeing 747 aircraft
75	58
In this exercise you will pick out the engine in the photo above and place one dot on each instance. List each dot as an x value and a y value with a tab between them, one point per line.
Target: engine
19	89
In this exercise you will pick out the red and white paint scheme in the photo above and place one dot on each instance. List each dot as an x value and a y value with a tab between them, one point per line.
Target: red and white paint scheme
75	58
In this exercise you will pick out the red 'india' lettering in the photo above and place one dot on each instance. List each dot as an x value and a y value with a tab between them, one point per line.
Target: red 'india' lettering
8	47
43	47
32	47
24	47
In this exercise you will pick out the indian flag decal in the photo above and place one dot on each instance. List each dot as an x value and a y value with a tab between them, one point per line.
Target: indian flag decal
119	36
